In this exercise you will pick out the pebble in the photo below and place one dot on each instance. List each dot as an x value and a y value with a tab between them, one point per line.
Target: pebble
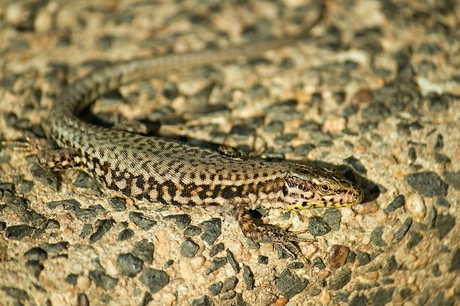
248	277
427	183
334	125
83	282
395	204
129	264
318	263
212	229
452	178
444	224
16	13
401	232
415	206
192	231
43	22
117	203
215	288
363	96
324	298
216	249
232	261
181	220
332	217
290	284
144	250
229	283
57	299
281	301
414	239
376	236
143	222
71	279
455	262
103	227
18	232
362	259
82	300
366	208
323	274
376	112
340	279
189	248
125	234
380	216
337	256
317	226
309	249
154	280
216	264
197	262
36	254
372	275
102	279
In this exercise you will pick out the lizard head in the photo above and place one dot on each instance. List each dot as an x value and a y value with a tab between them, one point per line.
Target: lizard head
308	186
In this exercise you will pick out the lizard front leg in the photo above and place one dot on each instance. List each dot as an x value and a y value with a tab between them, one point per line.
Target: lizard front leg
266	233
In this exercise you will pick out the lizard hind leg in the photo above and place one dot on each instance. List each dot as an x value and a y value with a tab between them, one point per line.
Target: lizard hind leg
59	159
266	233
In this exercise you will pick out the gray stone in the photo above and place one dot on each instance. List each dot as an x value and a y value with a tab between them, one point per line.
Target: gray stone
36	254
143	222
102	228
317	226
216	264
144	250
427	183
290	284
153	279
189	248
212	230
103	280
129	265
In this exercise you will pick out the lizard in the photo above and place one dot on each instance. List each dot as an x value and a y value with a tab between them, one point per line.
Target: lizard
162	170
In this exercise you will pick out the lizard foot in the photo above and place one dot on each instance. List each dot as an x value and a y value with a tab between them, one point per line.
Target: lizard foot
266	233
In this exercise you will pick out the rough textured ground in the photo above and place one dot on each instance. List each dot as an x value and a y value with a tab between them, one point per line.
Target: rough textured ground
374	90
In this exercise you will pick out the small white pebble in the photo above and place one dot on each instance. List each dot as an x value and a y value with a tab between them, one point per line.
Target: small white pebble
325	297
372	275
43	22
334	125
197	262
348	214
56	298
309	250
182	290
16	13
366	208
366	240
416	206
83	282
111	268
380	216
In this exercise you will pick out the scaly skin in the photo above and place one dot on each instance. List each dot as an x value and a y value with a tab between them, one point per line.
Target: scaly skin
160	170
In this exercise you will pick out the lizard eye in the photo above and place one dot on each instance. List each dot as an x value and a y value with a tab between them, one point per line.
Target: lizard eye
324	188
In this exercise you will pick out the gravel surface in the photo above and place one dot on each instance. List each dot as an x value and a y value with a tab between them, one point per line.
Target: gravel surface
374	91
